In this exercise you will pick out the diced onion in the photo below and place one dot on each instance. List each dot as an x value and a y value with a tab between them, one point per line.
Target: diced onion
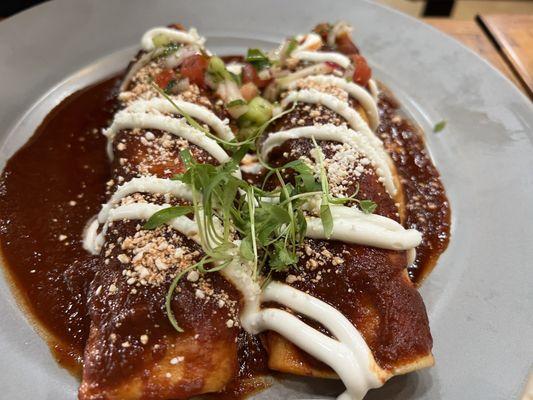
228	91
174	60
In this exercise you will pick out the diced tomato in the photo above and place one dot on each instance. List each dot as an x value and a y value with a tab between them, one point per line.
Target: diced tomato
249	91
345	45
249	74
164	77
194	68
362	72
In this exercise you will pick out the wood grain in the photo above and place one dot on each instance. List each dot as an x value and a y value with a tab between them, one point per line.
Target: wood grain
470	34
514	35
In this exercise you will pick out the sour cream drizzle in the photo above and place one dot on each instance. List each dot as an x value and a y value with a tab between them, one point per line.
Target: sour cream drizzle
374	91
316	69
173	35
353	90
340	107
348	354
307	51
171	61
94	242
179	127
351	225
193	41
322	56
340	134
145	184
310	41
196	111
141	62
340	27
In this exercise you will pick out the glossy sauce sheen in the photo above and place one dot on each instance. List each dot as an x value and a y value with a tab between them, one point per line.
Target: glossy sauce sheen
63	162
64	159
56	182
428	209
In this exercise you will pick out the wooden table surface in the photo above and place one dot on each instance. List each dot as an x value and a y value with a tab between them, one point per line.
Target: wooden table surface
514	36
506	41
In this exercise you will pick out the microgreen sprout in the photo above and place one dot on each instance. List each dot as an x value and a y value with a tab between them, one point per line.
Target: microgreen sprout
238	220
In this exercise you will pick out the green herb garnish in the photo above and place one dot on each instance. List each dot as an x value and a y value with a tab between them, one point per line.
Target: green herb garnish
325	211
236	78
258	59
439	126
170	293
367	206
170	86
281	257
293	43
190	120
166	214
271	224
253	130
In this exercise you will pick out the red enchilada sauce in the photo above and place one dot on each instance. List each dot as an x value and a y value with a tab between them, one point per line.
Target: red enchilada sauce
49	189
427	206
53	185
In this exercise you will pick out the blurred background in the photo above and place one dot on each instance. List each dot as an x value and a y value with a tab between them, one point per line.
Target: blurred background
460	9
455	9
500	31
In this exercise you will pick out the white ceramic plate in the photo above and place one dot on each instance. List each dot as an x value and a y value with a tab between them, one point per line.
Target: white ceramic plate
480	297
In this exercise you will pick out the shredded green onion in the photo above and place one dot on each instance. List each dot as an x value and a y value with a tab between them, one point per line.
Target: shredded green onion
258	59
217	69
291	47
